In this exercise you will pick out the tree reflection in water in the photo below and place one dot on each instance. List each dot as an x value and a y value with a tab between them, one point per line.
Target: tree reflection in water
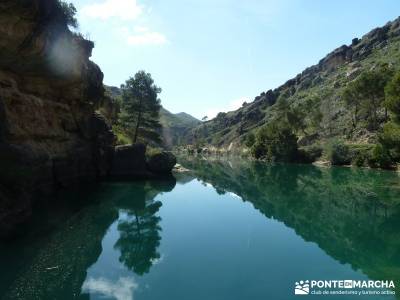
55	267
140	238
140	231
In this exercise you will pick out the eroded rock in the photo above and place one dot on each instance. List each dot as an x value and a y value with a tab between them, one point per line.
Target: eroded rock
129	161
161	163
49	132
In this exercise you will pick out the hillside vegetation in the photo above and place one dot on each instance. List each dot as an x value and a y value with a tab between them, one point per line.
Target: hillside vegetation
341	100
176	127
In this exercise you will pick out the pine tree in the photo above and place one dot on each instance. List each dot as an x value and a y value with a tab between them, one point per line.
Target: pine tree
141	108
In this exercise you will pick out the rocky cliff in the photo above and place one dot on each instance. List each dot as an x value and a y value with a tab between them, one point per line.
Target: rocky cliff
317	88
49	132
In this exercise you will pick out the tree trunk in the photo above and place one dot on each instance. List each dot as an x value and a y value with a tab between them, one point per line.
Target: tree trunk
138	122
374	113
355	117
137	222
375	120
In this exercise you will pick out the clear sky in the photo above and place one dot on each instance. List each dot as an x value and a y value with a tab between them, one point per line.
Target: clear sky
211	55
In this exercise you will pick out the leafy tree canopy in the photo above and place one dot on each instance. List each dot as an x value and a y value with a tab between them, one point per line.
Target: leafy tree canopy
366	95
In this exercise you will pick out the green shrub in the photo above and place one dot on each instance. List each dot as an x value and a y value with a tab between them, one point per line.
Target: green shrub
152	151
360	154
122	137
309	154
359	160
275	142
392	101
380	158
339	153
68	13
258	150
250	140
390	140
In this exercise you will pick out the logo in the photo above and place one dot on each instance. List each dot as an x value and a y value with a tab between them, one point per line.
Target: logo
344	287
302	288
348	284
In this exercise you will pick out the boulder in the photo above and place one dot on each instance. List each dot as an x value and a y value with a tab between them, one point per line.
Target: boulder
129	161
353	73
161	163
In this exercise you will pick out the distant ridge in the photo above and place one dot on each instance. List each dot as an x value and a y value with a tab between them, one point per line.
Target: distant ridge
323	83
176	127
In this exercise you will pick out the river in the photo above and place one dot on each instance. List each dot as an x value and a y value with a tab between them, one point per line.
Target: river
228	229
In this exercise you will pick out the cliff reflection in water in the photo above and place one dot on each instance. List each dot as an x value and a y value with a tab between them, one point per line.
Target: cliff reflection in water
109	247
56	264
352	214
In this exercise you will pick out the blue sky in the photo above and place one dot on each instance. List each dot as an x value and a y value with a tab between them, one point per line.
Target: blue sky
211	55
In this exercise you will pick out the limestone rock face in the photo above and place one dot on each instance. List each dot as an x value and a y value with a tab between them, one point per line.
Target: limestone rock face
49	131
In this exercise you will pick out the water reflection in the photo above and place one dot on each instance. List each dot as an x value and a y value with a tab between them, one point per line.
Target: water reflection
52	261
140	236
122	289
352	214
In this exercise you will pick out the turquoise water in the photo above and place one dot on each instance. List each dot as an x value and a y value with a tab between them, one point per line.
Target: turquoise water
225	230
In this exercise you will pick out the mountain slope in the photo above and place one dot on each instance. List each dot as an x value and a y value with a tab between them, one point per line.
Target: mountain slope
317	89
176	126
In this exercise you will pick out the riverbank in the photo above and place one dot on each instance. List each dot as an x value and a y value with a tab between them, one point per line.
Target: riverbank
330	154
